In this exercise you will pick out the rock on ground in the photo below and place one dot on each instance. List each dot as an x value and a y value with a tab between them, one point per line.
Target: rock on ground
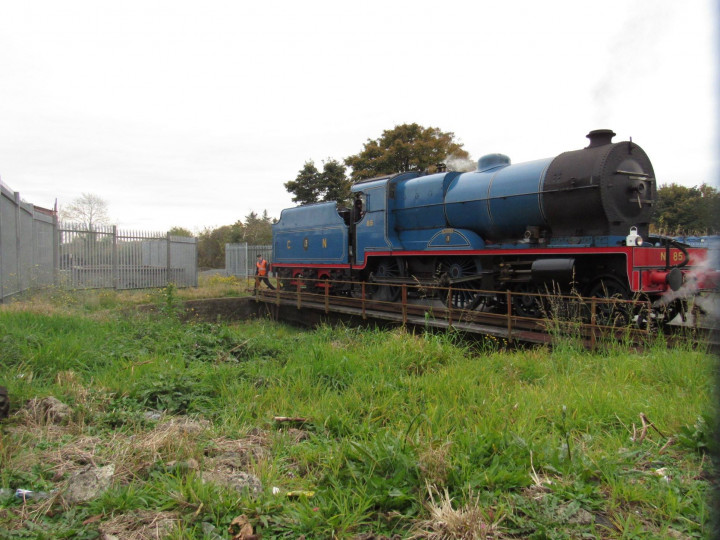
88	484
225	470
238	480
48	410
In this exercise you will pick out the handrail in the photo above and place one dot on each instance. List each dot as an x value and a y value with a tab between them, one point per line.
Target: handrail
324	283
590	317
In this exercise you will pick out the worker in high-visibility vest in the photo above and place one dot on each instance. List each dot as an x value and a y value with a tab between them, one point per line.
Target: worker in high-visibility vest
261	272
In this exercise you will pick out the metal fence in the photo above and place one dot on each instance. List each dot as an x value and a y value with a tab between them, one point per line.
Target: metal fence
240	258
106	257
26	245
38	251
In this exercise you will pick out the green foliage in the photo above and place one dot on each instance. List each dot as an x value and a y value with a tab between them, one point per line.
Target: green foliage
122	412
305	186
180	231
334	186
121	499
211	244
169	302
175	393
256	230
385	469
685	210
698	436
407	147
312	185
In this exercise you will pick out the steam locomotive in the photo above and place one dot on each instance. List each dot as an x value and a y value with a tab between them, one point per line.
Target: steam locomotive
575	222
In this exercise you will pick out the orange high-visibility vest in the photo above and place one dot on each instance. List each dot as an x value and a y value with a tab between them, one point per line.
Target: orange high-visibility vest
261	267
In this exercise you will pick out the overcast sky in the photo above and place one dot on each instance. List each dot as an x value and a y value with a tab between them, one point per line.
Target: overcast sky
188	113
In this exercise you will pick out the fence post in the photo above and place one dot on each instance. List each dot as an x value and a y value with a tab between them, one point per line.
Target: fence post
17	239
115	263
362	296
247	273
327	296
169	267
508	298
404	303
593	323
195	258
56	248
2	280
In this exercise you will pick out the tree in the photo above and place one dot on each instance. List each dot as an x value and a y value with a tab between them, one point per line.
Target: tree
407	147
304	187
89	210
311	185
257	230
180	231
682	210
211	244
334	185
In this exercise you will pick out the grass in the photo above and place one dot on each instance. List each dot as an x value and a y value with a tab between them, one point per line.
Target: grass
61	300
419	436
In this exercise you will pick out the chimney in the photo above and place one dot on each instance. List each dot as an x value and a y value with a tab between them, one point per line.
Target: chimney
600	137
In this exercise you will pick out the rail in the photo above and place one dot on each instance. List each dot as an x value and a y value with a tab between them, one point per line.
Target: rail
511	315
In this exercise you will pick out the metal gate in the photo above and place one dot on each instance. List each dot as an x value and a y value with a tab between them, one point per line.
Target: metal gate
240	258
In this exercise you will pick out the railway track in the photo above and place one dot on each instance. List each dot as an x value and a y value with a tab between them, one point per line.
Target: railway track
584	319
